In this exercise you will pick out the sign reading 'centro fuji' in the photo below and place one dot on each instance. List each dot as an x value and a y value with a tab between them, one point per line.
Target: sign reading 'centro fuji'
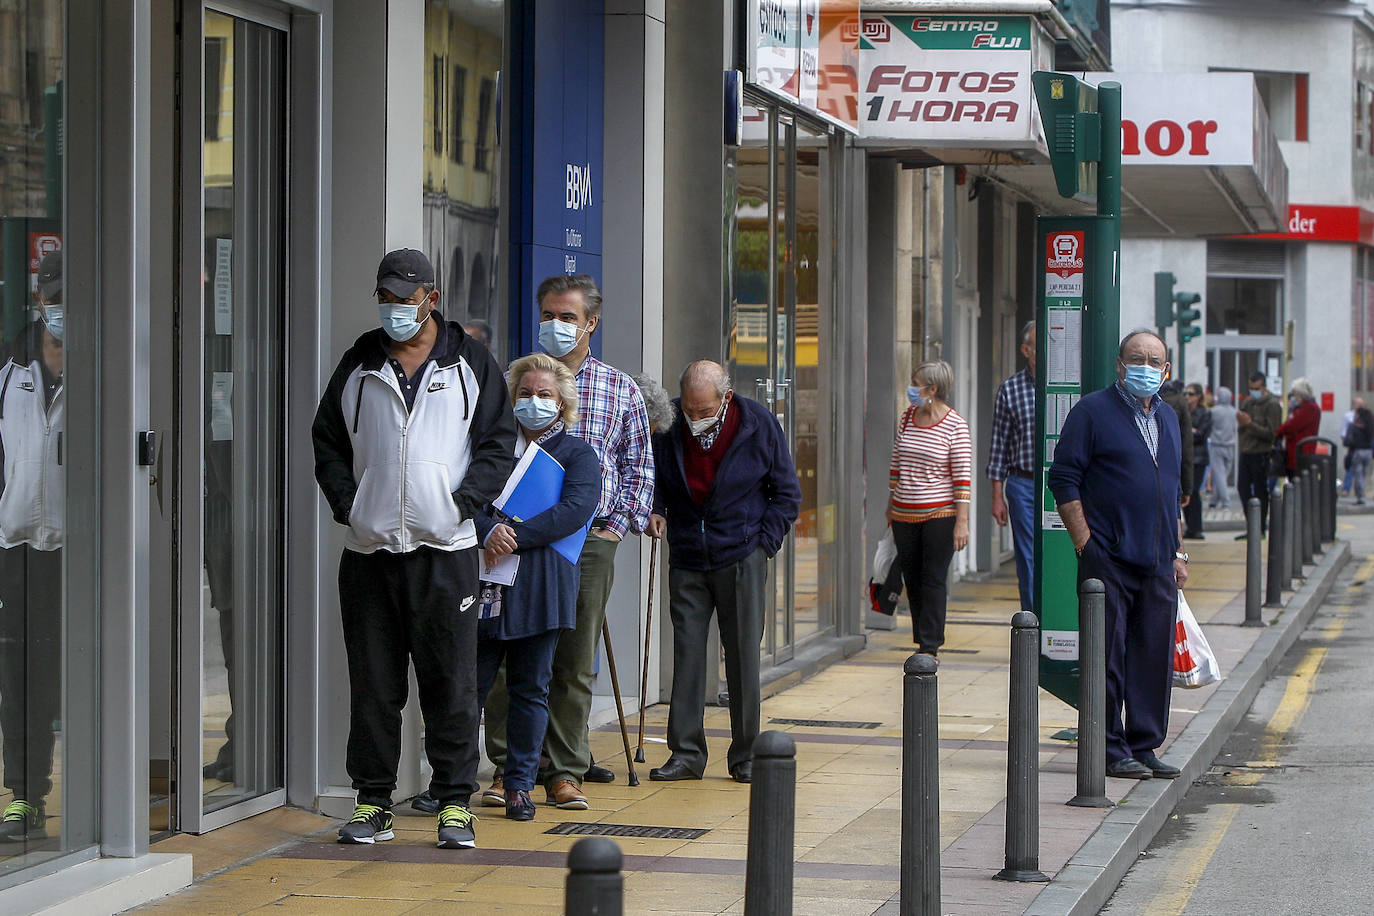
949	80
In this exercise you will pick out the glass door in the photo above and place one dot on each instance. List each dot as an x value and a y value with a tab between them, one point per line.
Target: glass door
230	452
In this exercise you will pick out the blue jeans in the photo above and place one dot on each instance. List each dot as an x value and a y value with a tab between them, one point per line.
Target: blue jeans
1019	493
529	667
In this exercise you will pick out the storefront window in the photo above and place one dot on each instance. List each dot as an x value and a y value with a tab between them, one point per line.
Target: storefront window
1243	305
462	185
48	799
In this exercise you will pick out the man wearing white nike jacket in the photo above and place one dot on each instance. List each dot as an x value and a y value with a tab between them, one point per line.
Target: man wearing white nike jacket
414	435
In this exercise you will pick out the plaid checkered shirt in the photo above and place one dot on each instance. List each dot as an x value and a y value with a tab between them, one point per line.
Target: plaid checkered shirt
1146	420
1013	427
616	425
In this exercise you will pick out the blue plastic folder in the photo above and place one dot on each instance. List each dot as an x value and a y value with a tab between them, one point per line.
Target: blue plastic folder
535	486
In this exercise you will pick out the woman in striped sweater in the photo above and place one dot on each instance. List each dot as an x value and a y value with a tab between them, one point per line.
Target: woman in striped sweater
932	466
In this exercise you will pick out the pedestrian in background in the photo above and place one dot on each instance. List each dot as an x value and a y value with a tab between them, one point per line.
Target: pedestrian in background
1172	393
1115	480
1221	448
421	390
658	406
1346	419
1257	419
928	500
1201	420
1304	421
1011	464
726	497
1359	442
520	624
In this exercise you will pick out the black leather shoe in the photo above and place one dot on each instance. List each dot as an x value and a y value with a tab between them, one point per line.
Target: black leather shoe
425	802
742	772
519	807
598	774
672	771
1158	768
1129	768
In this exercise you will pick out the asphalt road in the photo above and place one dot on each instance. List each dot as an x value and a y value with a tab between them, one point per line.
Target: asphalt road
1284	820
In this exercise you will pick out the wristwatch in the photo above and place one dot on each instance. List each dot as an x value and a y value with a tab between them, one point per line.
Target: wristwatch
1181	555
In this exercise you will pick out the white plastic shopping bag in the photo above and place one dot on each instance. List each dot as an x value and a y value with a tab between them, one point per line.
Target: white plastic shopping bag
885	586
1194	663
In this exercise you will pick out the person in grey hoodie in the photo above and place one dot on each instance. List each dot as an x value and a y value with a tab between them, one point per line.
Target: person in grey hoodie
1221	448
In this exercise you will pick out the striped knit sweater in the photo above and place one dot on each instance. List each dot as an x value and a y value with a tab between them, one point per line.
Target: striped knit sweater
932	467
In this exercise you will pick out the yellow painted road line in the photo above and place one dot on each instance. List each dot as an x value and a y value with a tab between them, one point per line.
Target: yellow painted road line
1297	696
1181	881
1366	570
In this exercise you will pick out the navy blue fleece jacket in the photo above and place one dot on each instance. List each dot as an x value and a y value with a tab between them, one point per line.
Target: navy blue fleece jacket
1130	500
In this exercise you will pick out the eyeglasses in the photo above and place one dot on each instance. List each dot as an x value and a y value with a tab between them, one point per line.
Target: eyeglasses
1153	362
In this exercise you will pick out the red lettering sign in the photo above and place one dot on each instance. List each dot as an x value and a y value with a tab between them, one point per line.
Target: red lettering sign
1328	401
1323	223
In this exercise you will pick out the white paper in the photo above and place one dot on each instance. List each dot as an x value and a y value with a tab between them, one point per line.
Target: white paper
1064	341
502	572
222	406
224	290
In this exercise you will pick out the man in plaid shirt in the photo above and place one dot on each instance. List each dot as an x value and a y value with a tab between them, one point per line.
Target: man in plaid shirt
1011	462
615	424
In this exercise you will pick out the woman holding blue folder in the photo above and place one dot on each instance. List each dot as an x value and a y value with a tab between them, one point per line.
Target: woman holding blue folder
520	622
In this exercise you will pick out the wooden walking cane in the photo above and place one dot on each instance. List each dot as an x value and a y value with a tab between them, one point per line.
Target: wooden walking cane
619	706
644	671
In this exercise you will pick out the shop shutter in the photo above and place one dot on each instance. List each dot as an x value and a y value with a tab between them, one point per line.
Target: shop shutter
1227	258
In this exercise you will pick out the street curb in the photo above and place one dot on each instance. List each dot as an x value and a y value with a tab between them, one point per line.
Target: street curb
1090	878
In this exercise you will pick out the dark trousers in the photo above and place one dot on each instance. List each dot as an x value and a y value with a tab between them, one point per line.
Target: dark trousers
735	593
1141	609
1192	513
1252	479
528	667
924	549
397	608
30	666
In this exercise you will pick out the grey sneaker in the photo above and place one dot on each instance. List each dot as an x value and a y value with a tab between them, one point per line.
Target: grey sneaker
22	822
369	824
455	828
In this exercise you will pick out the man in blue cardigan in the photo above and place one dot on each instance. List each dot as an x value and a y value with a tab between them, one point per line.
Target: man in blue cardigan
726	493
1115	480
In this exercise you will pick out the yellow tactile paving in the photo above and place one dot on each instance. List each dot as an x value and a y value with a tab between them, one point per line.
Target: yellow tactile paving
848	798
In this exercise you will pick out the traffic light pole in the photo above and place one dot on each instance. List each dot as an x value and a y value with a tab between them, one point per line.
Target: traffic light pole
1104	309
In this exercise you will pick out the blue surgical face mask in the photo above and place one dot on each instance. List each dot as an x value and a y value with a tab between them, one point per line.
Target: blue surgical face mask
1143	381
52	317
558	338
913	394
536	413
399	320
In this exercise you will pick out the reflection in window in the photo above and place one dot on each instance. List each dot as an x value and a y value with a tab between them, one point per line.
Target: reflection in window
462	190
1243	305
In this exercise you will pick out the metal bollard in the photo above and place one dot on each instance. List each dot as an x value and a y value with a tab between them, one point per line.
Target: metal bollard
1331	497
594	886
1252	564
1092	697
1022	859
772	826
1308	510
1292	511
1315	537
1277	574
1327	529
920	888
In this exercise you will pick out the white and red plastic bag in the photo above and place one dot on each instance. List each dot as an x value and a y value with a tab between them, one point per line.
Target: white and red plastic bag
1195	665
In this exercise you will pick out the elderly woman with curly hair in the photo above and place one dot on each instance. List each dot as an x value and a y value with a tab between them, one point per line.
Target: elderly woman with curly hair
520	624
1304	418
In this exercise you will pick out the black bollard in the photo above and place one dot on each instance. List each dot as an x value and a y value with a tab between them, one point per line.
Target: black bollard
594	887
1314	537
920	888
1022	860
1331	494
772	826
1327	529
1277	574
1305	518
1292	511
1092	697
1253	570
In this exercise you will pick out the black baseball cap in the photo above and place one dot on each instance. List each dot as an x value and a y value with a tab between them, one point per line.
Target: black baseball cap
50	276
403	271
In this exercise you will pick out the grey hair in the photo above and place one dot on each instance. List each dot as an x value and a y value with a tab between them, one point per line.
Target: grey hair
657	404
1028	332
1121	350
1302	388
704	371
582	283
938	373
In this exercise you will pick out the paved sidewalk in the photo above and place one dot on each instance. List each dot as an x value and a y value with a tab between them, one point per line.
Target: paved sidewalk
848	797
